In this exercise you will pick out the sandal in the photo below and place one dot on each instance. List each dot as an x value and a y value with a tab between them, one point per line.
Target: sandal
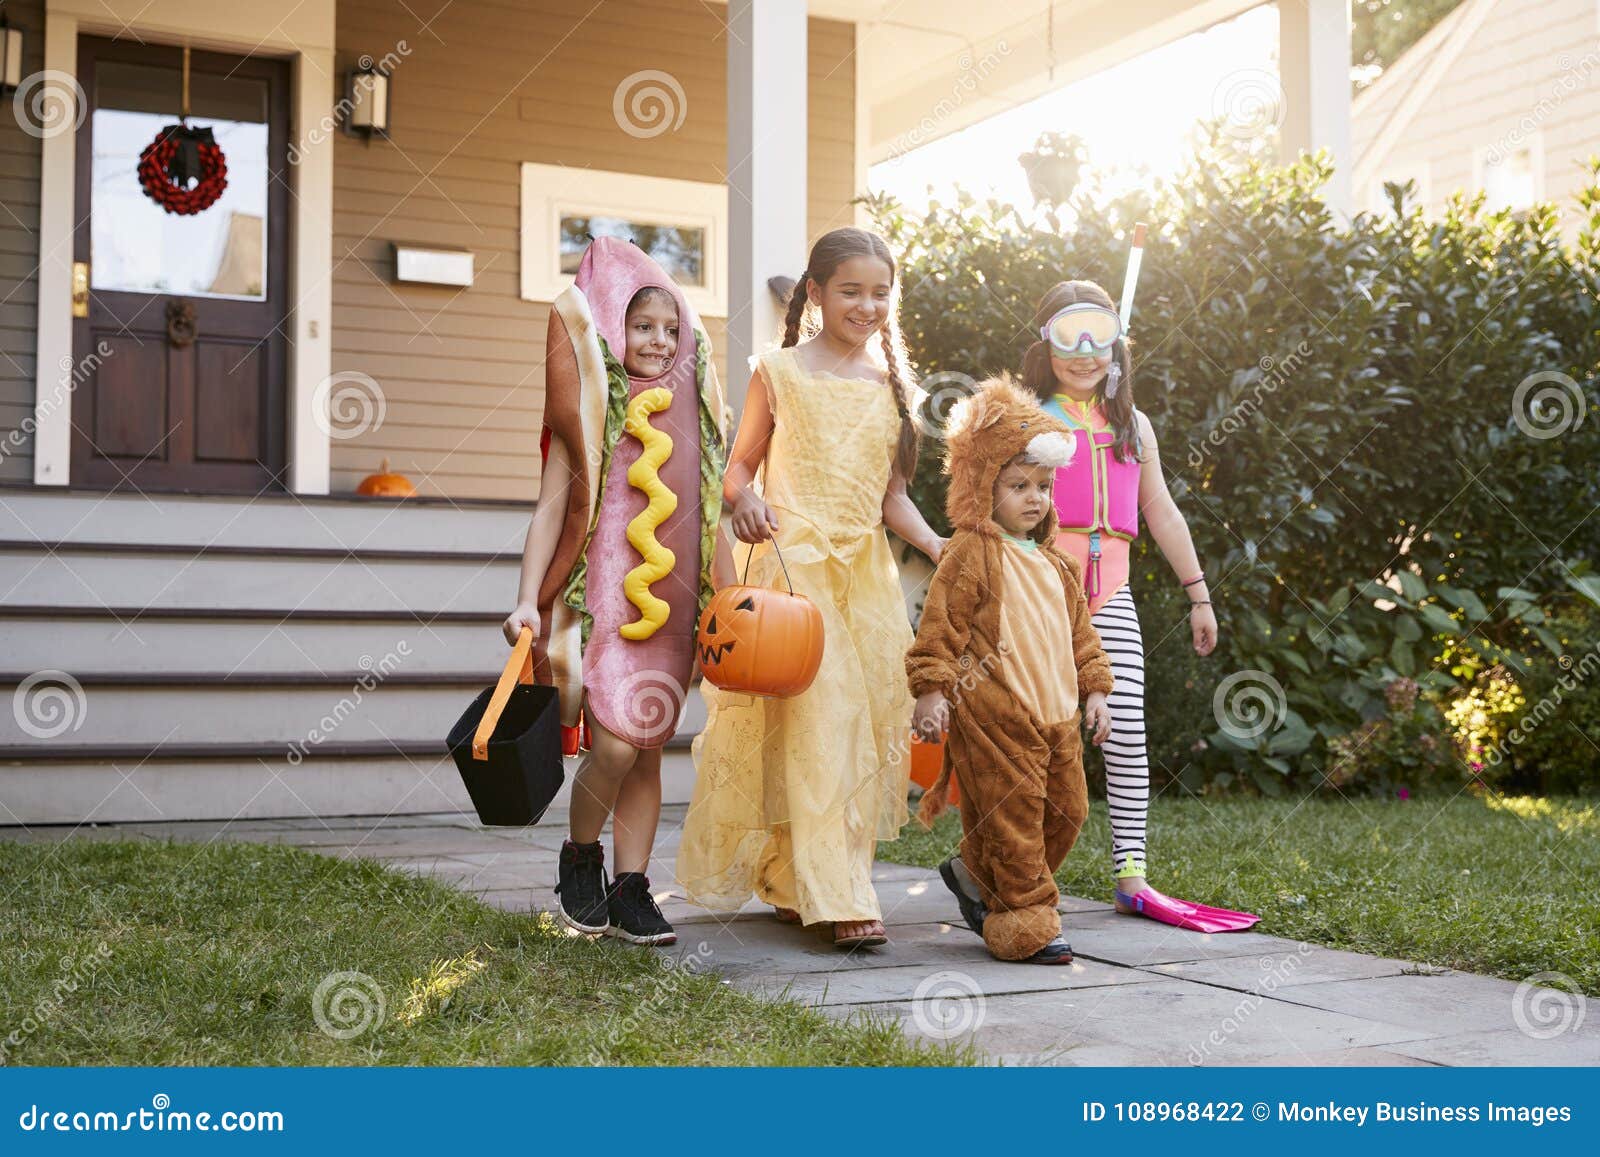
786	915
874	937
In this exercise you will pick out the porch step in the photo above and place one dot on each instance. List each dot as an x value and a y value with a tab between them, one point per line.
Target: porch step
236	656
259	578
275	521
229	786
289	711
132	639
188	785
223	657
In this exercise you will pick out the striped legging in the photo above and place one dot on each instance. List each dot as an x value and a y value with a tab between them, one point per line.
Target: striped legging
1127	763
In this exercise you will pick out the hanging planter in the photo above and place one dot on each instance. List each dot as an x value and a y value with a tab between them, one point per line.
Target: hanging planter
181	154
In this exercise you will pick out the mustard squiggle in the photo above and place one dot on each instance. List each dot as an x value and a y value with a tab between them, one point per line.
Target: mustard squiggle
643	475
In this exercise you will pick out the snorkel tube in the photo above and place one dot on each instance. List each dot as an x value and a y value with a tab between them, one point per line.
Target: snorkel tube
1125	311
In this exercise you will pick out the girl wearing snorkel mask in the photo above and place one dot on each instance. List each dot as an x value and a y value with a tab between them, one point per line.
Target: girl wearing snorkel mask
1082	373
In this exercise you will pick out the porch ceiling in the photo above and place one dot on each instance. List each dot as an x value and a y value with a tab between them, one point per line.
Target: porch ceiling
937	66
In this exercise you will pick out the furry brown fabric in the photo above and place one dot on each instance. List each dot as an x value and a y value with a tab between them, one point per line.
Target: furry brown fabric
1023	798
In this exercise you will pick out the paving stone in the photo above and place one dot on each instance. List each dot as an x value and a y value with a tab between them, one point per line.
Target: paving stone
1343	1059
59	833
1164	1022
1273	971
1451	1003
513	855
1503	1047
375	844
959	980
1130	940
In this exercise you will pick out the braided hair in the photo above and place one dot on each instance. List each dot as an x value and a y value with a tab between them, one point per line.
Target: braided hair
830	251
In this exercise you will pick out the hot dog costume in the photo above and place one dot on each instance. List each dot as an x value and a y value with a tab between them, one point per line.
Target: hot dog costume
632	568
1005	635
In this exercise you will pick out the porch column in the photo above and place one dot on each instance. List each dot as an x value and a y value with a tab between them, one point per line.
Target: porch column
766	172
54	377
310	320
1314	69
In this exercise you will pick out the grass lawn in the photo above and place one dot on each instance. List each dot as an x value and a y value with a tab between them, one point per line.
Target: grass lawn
1508	887
139	953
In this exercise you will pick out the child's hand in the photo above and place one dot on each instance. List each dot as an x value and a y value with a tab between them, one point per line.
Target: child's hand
1203	625
753	520
1097	716
931	719
526	615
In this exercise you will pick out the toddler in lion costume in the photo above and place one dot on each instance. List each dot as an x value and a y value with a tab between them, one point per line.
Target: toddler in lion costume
1004	658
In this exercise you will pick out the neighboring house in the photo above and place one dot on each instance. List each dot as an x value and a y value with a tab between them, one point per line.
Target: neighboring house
1501	96
200	618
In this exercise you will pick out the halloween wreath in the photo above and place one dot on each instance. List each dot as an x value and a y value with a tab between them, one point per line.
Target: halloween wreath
178	155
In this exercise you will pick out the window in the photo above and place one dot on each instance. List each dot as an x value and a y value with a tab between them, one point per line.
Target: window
135	246
1511	177
682	224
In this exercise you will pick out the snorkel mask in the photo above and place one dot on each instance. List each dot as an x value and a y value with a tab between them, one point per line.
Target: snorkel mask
1082	330
1086	330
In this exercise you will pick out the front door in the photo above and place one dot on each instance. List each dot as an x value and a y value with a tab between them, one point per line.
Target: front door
179	366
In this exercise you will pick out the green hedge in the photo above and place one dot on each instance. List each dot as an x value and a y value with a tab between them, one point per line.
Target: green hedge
1376	489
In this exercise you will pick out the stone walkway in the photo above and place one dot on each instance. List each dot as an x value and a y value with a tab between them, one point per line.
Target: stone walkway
1138	994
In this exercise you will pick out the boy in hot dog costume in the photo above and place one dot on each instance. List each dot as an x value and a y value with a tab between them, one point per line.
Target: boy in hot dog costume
634	451
1004	658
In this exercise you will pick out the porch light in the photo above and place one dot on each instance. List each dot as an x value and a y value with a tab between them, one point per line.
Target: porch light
10	56
367	94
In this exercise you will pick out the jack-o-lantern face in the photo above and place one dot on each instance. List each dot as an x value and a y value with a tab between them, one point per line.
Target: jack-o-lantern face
716	641
760	641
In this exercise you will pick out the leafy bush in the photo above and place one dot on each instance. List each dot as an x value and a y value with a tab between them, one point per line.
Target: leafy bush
1376	430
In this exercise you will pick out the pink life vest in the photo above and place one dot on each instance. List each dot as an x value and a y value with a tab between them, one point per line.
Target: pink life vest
1096	493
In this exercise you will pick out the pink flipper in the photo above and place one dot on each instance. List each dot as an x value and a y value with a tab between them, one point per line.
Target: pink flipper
1183	914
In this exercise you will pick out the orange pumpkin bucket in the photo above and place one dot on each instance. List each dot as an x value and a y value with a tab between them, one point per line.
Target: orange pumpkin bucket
760	641
927	757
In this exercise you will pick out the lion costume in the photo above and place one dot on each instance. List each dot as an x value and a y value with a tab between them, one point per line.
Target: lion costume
1005	635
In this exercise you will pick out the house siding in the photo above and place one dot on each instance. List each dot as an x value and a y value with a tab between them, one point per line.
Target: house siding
1492	95
483	88
20	155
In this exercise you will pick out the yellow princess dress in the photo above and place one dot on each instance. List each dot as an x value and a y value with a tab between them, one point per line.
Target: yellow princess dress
791	795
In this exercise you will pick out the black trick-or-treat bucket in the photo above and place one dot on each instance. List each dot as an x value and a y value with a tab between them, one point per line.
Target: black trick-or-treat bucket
507	745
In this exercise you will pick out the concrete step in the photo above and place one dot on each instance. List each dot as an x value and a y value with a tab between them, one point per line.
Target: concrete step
300	710
280	521
94	791
280	580
56	715
131	639
254	787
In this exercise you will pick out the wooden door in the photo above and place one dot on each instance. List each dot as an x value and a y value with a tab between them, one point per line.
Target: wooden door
179	368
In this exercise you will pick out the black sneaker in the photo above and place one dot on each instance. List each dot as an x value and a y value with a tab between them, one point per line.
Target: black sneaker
972	908
1058	951
634	915
581	884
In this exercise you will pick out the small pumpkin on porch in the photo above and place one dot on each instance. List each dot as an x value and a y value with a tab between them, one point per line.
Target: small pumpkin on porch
760	641
386	485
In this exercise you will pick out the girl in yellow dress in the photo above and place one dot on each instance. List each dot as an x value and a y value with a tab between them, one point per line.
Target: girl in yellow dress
793	794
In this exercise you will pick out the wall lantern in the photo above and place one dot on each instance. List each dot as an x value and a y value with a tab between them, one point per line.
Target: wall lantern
367	99
10	56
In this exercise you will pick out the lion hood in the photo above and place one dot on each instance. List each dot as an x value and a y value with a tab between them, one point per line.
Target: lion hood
985	431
